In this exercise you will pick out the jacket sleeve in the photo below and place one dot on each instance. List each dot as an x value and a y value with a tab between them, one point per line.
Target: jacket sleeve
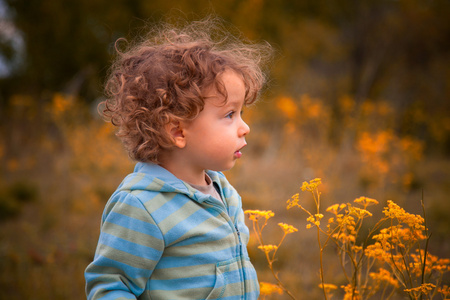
129	247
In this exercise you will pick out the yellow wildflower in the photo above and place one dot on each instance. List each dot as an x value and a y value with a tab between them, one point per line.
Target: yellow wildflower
269	289
423	289
357	249
287	228
328	287
444	291
442	265
268	248
377	251
408	235
255	215
293	201
334	209
384	275
365	201
433	263
351	293
344	237
394	211
314	219
312	185
359	212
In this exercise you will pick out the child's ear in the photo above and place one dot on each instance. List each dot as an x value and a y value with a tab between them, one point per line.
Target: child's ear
176	132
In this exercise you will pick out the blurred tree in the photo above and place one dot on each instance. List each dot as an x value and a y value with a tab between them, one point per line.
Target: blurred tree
66	43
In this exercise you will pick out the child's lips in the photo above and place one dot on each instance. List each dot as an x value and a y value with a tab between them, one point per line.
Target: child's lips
238	153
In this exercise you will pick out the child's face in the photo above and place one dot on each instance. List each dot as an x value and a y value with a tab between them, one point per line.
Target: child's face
214	139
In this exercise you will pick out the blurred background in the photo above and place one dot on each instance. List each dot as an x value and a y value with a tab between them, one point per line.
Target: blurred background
359	95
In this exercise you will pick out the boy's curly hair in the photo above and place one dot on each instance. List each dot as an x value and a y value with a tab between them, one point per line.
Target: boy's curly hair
163	79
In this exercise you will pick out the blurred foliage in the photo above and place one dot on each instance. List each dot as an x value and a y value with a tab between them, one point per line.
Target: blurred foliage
358	95
14	196
391	51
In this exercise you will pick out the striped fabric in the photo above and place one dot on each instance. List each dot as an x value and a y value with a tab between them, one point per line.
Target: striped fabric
162	239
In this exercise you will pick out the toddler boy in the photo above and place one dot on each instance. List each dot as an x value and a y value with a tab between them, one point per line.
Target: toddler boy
174	228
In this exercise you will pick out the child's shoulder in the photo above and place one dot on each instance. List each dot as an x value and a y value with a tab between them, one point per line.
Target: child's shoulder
151	177
148	182
140	191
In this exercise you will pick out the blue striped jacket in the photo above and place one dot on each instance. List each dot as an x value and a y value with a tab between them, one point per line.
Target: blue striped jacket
162	239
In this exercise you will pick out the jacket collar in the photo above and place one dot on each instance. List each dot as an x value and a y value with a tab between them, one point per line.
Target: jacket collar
152	177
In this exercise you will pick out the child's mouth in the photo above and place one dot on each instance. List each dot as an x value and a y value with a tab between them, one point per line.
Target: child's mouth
238	153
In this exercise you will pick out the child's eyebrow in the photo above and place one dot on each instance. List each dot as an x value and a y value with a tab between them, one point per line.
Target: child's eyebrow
234	103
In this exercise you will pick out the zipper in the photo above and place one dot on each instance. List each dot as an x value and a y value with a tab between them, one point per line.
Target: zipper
241	269
239	239
222	209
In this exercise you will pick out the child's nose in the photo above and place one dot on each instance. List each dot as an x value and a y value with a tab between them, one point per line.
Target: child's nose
244	129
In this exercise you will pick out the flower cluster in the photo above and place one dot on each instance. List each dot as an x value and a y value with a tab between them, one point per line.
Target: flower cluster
393	248
267	288
268	248
336	208
383	276
393	211
350	292
287	228
329	288
312	185
390	257
365	201
293	202
377	251
433	263
444	291
314	220
423	289
255	215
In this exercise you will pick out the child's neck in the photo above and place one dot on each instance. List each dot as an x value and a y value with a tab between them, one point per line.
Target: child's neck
181	171
197	178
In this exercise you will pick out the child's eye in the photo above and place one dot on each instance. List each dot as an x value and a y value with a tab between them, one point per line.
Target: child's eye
230	114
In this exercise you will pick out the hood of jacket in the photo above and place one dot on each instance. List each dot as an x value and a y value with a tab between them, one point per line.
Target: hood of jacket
152	177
